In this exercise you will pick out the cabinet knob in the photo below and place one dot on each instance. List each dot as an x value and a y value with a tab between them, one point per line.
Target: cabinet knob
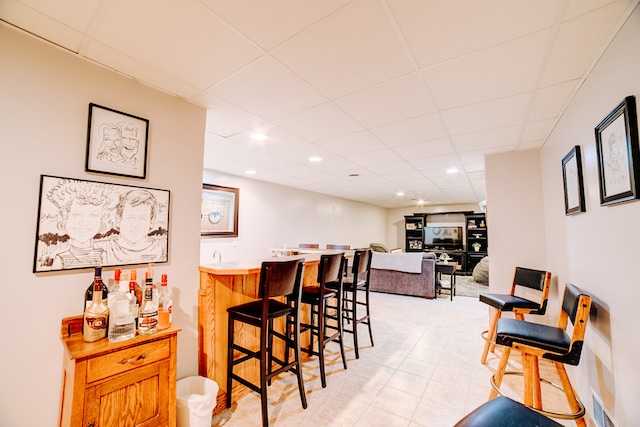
91	424
133	359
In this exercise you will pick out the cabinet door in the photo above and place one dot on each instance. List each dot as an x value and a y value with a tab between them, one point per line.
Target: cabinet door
137	398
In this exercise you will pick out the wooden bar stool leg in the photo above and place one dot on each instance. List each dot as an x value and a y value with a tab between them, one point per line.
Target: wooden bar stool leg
502	366
490	334
537	392
527	368
569	392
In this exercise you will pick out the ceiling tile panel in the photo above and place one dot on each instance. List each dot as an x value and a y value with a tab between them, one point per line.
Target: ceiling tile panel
338	59
77	14
504	138
192	50
375	158
267	89
355	143
420	150
548	102
391	101
506	69
320	122
226	120
416	129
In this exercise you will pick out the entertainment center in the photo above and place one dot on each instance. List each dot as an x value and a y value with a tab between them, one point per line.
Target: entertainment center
461	235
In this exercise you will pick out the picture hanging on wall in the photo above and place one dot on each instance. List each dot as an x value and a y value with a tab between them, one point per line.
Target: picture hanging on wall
219	214
84	224
573	183
619	154
116	143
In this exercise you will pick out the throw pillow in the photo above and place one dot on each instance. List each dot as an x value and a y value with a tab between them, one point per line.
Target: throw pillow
378	247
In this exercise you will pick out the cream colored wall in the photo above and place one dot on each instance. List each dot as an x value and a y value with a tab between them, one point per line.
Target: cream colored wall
598	250
45	93
271	215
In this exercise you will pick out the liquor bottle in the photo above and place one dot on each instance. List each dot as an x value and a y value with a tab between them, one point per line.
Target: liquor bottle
122	324
165	305
88	295
115	286
133	277
148	319
95	318
155	288
135	302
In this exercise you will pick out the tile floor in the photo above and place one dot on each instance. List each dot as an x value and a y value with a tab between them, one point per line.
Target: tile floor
424	370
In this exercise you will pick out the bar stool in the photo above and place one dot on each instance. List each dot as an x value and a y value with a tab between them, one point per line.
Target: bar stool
535	340
536	280
318	297
504	412
277	279
357	283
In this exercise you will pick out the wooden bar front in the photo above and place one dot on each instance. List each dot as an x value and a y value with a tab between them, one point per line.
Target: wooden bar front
226	285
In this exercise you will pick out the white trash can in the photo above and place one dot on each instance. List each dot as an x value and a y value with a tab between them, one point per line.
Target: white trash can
196	398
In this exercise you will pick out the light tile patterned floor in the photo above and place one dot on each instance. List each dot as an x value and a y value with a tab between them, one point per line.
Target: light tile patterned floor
424	370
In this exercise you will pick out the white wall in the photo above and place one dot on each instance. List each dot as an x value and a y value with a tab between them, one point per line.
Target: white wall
43	124
598	250
271	215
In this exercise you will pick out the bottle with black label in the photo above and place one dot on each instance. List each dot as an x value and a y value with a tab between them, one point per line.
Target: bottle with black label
96	315
148	319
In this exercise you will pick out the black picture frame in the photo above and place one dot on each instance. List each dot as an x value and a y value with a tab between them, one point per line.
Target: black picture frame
219	212
618	154
85	224
573	182
117	143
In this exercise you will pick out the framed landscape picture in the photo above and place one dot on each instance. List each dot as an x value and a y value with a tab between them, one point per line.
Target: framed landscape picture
116	143
85	224
619	154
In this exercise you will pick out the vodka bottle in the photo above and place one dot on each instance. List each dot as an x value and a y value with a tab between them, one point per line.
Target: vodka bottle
165	305
122	324
95	319
135	303
148	319
113	288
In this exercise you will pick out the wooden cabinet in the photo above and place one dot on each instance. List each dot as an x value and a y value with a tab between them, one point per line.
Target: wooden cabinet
129	383
414	232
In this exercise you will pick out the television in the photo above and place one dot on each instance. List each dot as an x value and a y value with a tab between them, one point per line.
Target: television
448	237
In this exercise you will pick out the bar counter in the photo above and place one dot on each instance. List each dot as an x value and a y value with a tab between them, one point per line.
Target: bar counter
225	285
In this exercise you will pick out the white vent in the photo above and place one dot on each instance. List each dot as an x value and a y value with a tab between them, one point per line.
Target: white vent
600	415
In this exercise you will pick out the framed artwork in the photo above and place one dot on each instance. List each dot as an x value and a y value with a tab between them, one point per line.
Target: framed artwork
219	214
619	154
116	143
573	182
84	224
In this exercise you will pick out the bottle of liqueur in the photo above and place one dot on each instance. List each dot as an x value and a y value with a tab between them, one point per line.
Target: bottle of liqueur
135	302
122	324
133	277
95	318
88	295
148	319
165	305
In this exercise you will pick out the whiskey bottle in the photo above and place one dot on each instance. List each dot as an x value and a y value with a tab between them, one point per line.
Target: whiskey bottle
133	277
122	324
88	295
95	318
148	319
165	305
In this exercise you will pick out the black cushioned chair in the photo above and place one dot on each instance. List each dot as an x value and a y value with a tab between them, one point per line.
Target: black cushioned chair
356	290
536	280
504	412
326	318
535	340
277	279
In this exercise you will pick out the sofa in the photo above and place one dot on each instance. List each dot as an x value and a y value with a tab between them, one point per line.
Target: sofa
410	273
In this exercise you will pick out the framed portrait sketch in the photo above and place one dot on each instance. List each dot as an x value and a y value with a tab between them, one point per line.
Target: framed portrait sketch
84	224
619	154
219	214
573	183
116	143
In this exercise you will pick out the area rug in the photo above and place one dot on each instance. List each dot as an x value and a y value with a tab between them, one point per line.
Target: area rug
467	287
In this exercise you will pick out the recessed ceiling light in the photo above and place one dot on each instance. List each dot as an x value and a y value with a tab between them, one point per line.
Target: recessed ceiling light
452	170
315	159
399	194
250	172
259	136
420	202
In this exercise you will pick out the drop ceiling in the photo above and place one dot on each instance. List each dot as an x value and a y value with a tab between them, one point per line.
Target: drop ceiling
391	94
